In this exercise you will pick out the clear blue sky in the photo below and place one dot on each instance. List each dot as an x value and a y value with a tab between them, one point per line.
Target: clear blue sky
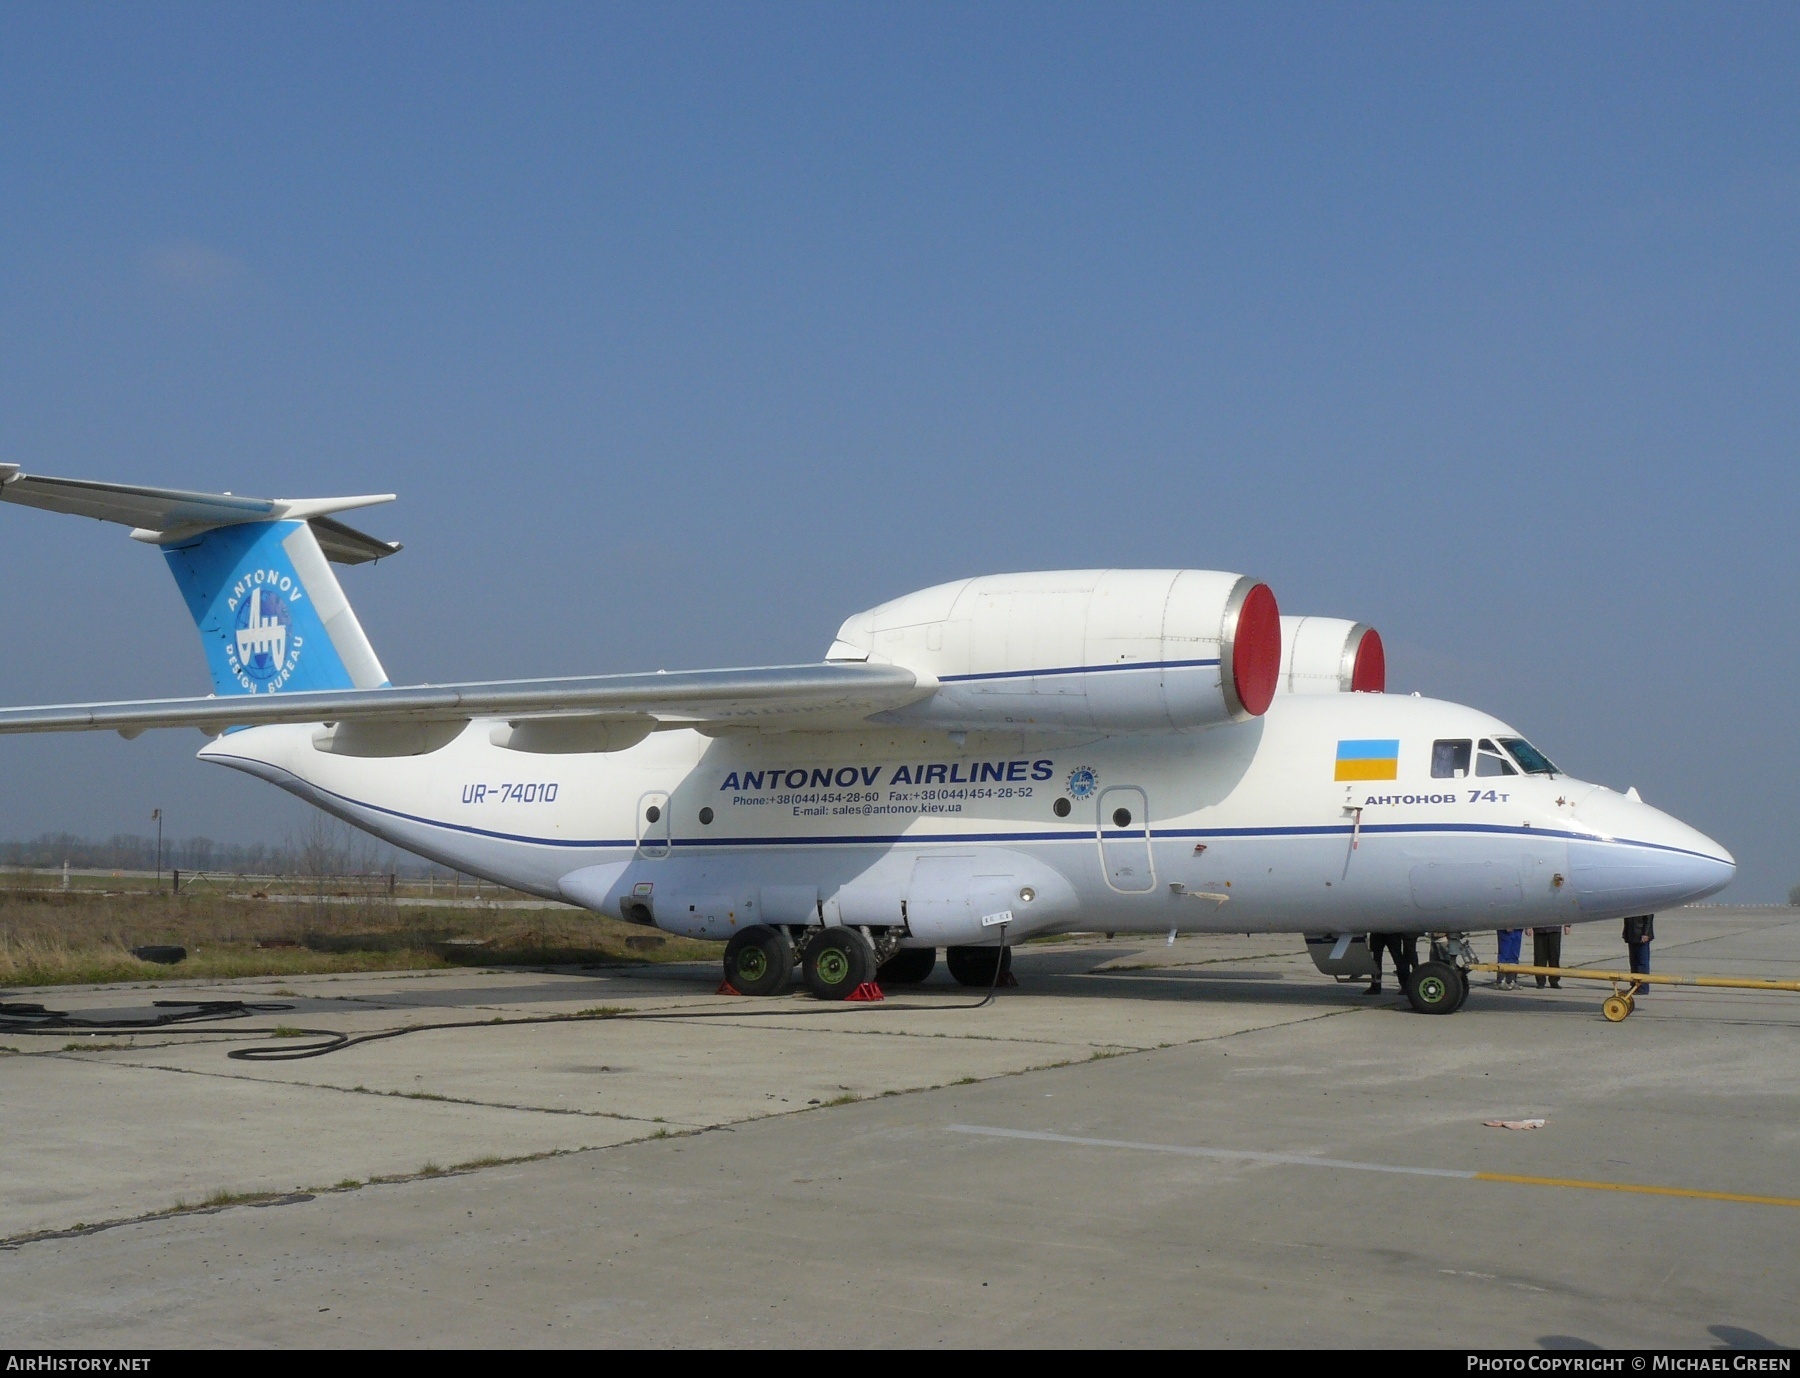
686	331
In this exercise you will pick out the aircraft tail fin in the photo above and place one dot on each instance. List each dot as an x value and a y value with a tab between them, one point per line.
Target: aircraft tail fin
255	574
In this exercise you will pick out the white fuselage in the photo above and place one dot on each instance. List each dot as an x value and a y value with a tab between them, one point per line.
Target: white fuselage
1240	827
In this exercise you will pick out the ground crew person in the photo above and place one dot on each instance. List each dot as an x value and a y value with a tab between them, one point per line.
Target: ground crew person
1511	940
1640	932
1404	952
1546	951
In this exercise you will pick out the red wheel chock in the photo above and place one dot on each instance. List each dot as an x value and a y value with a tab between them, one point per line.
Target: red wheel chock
726	988
1007	980
867	992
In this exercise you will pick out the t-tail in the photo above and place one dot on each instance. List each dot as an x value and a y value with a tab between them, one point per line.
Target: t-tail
255	573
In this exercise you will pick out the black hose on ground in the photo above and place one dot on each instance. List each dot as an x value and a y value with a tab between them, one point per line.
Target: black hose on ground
36	1019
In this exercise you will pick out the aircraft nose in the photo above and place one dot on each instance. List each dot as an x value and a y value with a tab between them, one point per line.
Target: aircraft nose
1616	880
1646	861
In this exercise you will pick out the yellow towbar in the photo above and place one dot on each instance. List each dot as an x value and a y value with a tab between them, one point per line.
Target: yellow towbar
1626	984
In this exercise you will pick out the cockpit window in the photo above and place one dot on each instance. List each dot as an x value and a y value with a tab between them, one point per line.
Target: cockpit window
1530	759
1489	761
1450	759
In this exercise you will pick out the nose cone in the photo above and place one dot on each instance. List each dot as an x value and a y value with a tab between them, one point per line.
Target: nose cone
1643	860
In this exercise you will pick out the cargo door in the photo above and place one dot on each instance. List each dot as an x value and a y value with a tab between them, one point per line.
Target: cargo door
1123	829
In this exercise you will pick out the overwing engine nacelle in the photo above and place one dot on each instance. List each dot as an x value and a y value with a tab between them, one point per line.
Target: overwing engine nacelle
1329	655
1114	650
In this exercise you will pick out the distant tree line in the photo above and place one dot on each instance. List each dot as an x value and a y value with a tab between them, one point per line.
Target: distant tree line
332	853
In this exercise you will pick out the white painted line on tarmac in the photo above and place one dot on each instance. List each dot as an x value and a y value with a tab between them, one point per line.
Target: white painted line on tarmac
1244	1155
1247	1155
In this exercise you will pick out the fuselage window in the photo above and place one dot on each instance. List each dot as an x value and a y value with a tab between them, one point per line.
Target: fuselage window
1489	761
1450	760
1530	759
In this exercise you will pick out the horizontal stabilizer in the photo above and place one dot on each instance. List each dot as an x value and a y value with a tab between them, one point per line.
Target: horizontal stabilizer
169	516
791	697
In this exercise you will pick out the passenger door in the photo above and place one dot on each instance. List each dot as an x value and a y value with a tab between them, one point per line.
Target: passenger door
1122	826
653	823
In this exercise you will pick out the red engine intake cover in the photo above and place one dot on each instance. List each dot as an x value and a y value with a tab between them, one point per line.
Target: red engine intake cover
1370	674
1256	651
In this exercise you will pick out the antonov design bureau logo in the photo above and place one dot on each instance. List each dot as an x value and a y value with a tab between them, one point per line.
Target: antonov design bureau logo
263	649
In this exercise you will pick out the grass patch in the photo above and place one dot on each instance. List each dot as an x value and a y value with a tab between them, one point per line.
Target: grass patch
238	1198
50	938
217	1200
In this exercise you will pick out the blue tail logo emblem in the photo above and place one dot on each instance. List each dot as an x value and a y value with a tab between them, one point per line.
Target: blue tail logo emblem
262	644
264	636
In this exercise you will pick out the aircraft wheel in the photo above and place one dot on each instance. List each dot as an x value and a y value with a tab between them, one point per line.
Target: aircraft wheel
1435	988
974	966
1615	1008
838	961
759	960
907	967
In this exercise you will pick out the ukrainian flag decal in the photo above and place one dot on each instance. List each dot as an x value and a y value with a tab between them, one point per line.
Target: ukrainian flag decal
1377	759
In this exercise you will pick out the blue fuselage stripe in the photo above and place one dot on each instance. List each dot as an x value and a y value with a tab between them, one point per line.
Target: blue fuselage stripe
1070	834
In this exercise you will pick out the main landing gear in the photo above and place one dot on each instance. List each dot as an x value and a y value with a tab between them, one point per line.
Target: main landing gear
833	962
980	966
907	967
759	961
837	961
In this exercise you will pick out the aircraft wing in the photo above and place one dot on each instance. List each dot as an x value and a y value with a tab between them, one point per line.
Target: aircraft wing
785	697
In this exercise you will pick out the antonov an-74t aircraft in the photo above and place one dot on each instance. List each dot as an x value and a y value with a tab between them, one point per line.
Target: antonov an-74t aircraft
974	764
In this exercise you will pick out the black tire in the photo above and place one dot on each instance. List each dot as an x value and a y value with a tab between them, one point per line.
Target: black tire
1462	980
759	960
1435	988
162	954
837	962
907	967
974	966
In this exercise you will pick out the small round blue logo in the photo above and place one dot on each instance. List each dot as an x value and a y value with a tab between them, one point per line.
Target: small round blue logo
1083	782
264	625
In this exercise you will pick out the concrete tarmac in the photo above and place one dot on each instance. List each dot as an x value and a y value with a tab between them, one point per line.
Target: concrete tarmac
1142	1145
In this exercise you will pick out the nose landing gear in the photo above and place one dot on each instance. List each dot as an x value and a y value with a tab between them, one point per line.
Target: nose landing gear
1440	986
1436	989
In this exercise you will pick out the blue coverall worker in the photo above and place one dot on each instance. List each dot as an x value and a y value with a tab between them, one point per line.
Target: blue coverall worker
1511	940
